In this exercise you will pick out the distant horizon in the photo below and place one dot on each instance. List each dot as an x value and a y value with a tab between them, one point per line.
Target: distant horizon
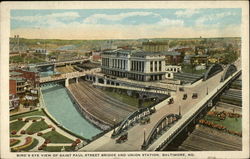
96	24
131	39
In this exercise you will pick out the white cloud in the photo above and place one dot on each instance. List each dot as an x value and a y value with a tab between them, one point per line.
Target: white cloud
44	18
170	22
186	13
93	19
200	21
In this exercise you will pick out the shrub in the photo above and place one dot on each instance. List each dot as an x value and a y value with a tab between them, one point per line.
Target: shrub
50	126
33	120
78	141
20	119
47	141
23	132
30	133
39	134
13	132
42	119
53	129
44	145
26	120
40	147
73	144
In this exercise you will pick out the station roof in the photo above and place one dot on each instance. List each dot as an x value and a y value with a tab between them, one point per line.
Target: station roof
167	53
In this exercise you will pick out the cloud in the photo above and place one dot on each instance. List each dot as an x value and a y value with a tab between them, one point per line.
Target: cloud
94	19
48	17
187	13
212	17
170	22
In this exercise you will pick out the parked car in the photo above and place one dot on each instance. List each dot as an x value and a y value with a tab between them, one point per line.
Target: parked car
195	95
145	120
184	96
171	101
181	89
122	138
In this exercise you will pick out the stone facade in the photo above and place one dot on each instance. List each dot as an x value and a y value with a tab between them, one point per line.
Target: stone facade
135	65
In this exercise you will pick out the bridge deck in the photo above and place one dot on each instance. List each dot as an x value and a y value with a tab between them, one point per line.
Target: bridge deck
135	134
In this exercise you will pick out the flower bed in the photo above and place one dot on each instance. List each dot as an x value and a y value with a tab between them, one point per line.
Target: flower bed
222	115
219	127
28	142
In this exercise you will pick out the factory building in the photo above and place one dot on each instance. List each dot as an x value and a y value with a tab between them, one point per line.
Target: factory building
135	65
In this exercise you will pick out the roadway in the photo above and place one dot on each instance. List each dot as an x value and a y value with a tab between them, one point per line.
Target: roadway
135	134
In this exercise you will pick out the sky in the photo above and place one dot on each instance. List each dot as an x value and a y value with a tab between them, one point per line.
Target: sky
126	23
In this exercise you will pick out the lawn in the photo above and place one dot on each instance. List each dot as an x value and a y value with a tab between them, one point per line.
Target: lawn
127	99
17	125
35	142
37	112
55	137
37	126
234	124
56	148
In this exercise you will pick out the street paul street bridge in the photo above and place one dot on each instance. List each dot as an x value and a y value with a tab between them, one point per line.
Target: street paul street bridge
169	119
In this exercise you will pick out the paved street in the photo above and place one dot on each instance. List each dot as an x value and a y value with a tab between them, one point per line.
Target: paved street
135	134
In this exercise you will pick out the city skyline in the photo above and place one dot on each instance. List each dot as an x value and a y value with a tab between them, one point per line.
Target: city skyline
126	23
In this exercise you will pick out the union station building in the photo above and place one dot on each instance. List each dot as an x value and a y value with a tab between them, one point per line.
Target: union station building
134	64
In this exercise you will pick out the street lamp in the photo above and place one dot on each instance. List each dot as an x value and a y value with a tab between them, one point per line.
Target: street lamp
114	125
144	139
179	110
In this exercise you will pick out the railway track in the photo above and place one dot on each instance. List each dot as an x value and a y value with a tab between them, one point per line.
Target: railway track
99	104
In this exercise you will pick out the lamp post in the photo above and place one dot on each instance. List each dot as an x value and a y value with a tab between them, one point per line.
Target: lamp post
144	139
179	110
114	125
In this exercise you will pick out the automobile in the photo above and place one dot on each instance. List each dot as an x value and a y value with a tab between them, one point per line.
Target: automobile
184	96
171	101
181	89
122	138
195	95
145	120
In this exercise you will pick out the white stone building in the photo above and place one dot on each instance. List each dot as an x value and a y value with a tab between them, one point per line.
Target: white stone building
171	69
132	64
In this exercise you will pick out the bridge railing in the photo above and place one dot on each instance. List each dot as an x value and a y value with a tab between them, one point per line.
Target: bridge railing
161	126
131	120
191	114
228	71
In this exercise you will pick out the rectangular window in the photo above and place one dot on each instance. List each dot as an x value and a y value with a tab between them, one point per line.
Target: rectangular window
159	65
151	66
155	66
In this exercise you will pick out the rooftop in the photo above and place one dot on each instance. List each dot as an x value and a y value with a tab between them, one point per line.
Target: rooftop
142	53
13	73
19	79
